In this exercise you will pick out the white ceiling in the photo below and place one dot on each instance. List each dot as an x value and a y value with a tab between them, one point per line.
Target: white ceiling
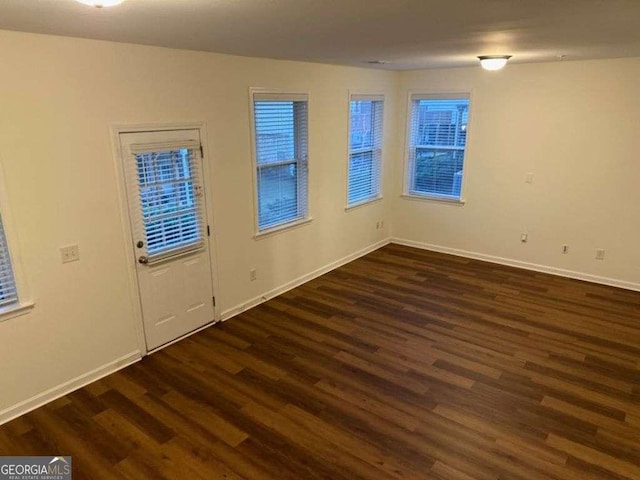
405	33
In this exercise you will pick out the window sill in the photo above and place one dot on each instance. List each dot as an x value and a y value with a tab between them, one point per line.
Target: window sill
15	310
362	203
434	198
281	228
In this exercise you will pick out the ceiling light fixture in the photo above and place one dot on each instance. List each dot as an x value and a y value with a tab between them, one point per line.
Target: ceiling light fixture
493	62
101	3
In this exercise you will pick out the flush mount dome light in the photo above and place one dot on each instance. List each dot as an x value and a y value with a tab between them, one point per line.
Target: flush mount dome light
493	62
101	3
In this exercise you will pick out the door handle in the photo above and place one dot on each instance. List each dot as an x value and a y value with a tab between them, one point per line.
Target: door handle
140	244
144	260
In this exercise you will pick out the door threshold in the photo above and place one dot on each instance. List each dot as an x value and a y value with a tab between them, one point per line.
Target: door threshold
188	334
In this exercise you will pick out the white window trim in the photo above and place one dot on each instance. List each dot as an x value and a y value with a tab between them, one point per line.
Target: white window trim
267	232
276	94
373	97
14	311
407	193
362	203
25	302
433	198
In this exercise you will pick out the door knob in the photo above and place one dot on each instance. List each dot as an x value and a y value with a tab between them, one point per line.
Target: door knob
144	260
140	244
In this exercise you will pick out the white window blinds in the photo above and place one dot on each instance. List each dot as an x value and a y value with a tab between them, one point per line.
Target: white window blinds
8	290
365	148
168	198
281	159
437	141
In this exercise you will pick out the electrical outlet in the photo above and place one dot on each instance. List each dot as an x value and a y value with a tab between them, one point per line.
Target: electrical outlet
253	274
600	254
565	249
70	253
529	177
524	237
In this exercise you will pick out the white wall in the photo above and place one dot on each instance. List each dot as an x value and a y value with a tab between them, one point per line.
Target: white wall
574	125
58	99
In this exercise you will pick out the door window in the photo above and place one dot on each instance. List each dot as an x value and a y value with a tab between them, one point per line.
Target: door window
167	198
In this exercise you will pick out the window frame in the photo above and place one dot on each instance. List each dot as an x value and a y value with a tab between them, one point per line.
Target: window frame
377	153
24	304
303	164
407	191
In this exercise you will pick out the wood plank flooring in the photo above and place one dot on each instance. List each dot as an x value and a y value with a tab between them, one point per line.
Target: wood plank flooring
404	364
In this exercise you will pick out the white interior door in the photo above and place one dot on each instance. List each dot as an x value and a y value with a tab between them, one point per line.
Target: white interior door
167	210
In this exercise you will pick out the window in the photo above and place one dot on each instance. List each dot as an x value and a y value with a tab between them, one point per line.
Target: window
365	148
14	295
8	290
281	168
170	198
437	141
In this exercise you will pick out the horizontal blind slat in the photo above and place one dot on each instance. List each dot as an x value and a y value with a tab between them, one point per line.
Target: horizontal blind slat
357	97
164	146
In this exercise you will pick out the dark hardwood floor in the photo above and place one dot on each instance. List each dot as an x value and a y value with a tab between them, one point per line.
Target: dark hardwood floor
403	364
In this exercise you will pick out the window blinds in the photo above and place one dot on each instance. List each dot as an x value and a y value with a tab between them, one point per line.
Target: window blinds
281	158
365	148
8	290
168	197
437	141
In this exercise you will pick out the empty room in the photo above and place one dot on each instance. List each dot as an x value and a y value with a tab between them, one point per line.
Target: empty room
320	239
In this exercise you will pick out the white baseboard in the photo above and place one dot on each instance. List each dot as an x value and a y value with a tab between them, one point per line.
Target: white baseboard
525	265
68	387
232	312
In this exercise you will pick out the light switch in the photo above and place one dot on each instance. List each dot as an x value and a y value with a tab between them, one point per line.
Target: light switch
529	178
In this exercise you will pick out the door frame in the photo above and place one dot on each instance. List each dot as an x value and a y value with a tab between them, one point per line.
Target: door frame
130	254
